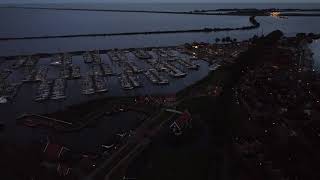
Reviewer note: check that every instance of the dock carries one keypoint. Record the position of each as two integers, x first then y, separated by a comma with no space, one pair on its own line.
97,71
30,76
113,56
134,81
31,61
125,82
43,92
76,74
161,79
107,70
87,57
134,67
96,58
142,54
188,64
58,90
87,86
174,71
99,84
151,77
41,74
19,63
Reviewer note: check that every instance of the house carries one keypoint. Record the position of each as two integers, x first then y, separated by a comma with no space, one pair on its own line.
181,123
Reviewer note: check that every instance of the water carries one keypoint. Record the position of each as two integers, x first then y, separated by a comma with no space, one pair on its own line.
24,22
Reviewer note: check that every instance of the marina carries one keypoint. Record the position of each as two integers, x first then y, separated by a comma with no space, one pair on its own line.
120,68
94,92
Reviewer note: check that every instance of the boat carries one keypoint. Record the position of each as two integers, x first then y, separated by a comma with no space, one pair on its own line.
134,67
43,91
19,63
106,69
41,74
96,71
161,79
76,74
151,77
187,64
31,61
134,81
142,54
113,56
87,86
3,100
30,76
87,57
56,60
67,59
58,90
173,71
107,146
96,57
99,84
125,82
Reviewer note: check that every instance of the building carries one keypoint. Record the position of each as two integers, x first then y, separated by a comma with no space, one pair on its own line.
181,123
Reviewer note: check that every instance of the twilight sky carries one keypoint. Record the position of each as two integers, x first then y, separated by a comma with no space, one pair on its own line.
163,1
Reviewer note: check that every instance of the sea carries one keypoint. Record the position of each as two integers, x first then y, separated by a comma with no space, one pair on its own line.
17,22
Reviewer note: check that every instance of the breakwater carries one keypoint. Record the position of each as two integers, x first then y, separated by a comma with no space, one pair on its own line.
252,20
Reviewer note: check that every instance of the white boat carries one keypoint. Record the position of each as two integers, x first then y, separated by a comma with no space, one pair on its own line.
3,100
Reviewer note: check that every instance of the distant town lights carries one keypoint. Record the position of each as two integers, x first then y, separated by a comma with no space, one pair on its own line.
275,14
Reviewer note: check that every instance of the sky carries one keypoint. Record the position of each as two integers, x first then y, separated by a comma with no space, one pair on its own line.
161,1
